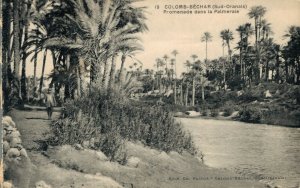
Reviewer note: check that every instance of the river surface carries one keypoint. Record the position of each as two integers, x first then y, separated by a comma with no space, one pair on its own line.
260,151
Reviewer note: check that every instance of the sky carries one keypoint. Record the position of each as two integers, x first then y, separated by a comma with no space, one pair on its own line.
183,32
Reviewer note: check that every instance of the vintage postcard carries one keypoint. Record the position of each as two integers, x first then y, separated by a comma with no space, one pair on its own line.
150,93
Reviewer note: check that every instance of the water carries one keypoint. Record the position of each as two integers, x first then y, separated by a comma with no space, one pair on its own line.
249,149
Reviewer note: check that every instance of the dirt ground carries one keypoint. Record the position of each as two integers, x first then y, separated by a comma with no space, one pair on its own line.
65,166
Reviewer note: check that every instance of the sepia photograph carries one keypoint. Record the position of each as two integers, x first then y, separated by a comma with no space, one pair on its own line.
150,94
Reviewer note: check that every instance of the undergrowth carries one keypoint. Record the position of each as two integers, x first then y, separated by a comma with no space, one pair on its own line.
109,120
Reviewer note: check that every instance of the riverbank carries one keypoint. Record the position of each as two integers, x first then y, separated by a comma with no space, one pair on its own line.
233,117
266,103
65,166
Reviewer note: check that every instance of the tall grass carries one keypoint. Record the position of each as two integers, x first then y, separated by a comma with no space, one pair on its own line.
111,119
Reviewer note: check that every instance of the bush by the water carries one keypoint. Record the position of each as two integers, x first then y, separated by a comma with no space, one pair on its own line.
228,110
250,114
251,95
214,112
108,120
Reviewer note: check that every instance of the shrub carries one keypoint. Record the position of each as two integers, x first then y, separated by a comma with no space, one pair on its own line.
250,114
214,113
205,113
110,119
251,95
228,110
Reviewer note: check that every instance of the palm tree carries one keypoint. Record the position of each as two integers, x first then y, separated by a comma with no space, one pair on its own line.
185,78
194,57
159,63
206,38
166,57
291,54
101,28
248,32
172,63
37,35
135,65
181,91
257,12
37,38
127,51
175,53
241,31
188,64
198,72
266,29
244,31
193,75
227,36
174,79
268,53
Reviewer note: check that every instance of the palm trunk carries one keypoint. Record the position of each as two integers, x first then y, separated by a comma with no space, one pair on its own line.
16,46
256,46
175,69
298,70
181,94
123,58
75,62
160,85
241,64
54,61
224,71
193,92
202,89
175,93
67,62
78,82
106,75
112,73
92,73
23,77
286,71
295,73
267,71
256,37
277,68
229,53
6,16
43,71
206,50
240,58
186,94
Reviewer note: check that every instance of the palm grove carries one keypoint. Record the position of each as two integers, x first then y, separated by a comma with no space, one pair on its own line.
252,63
85,38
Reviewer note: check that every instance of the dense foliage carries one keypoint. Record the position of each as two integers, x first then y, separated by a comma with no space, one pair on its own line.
109,120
